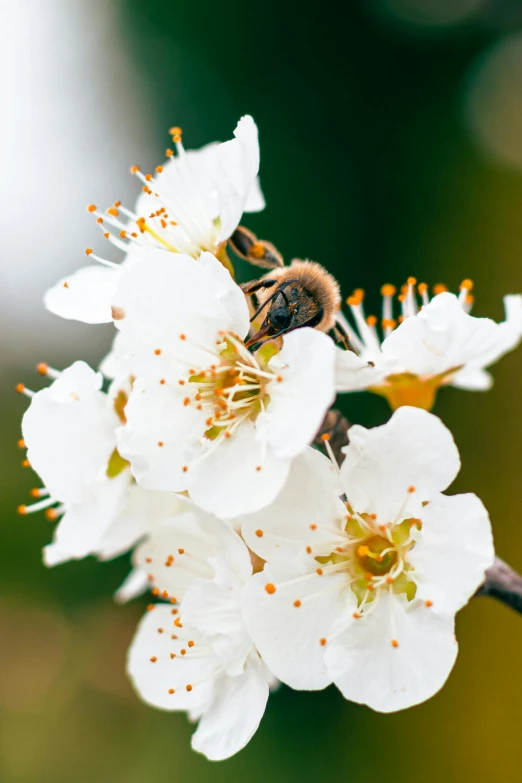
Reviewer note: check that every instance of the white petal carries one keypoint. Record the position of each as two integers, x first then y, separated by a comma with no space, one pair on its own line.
299,402
472,380
234,171
228,293
282,530
84,525
85,295
255,200
452,551
117,363
158,431
234,714
238,476
153,679
156,301
288,637
353,373
368,669
215,611
413,450
69,429
443,336
181,546
136,519
135,584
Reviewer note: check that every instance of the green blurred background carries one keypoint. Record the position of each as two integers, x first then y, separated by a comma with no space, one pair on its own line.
391,137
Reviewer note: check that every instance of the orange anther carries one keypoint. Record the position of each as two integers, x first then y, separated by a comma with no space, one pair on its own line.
368,577
159,169
156,591
134,169
362,550
161,444
389,580
259,533
270,588
181,551
20,388
297,603
319,571
371,320
412,281
188,687
439,288
428,603
123,234
51,514
325,436
394,643
183,337
91,208
113,212
169,153
175,131
190,643
411,489
35,493
160,630
313,527
467,284
153,659
150,607
258,468
22,510
171,690
26,463
356,616
42,368
148,177
88,251
21,443
309,550
322,642
388,290
422,288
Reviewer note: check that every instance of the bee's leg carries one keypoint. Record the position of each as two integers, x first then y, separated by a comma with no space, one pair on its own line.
257,251
340,336
255,285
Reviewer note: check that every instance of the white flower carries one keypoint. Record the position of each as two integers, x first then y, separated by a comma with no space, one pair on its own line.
205,414
200,659
364,592
193,203
439,344
70,433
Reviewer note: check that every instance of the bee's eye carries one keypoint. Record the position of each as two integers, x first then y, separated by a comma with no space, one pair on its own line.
280,317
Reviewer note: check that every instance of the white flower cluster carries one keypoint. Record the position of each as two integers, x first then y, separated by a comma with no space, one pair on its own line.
193,447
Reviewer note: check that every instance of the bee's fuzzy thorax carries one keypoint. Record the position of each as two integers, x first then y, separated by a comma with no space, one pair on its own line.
317,280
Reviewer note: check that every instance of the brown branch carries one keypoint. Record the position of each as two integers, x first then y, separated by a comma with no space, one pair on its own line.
504,584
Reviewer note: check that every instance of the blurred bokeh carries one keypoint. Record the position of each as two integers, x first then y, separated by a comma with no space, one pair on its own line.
391,144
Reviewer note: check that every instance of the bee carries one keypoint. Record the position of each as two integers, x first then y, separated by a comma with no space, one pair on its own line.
290,297
287,297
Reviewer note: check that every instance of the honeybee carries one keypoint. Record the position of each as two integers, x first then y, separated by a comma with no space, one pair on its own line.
288,297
